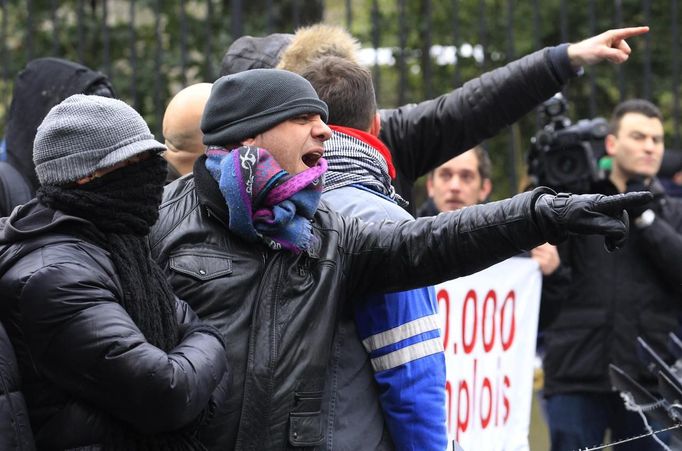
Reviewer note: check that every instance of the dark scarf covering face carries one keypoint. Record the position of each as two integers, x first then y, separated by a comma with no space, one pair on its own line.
123,205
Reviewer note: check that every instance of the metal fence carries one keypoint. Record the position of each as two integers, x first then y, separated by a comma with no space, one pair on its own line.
417,49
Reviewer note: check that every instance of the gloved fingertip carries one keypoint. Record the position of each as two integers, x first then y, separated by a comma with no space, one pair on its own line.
622,201
638,198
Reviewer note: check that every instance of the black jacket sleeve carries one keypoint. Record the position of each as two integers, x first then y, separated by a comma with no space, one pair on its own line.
430,250
423,136
82,340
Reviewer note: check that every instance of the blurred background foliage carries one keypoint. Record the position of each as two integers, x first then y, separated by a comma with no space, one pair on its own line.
151,49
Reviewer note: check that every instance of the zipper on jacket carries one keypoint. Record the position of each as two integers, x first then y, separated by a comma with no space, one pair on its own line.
267,270
210,214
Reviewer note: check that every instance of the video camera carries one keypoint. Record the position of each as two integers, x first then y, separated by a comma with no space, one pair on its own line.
565,156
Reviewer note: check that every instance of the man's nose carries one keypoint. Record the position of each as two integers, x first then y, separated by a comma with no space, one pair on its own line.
321,130
649,144
455,183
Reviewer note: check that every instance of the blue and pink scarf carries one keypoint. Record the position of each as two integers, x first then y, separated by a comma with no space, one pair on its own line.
265,202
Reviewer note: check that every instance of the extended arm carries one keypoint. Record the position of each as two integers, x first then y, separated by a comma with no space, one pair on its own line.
423,136
430,250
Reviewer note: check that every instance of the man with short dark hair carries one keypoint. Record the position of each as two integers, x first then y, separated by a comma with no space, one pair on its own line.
247,242
602,302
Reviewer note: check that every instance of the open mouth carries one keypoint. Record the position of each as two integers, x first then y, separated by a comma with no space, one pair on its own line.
311,158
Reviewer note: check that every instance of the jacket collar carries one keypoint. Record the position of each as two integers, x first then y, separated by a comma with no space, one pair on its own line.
208,192
370,140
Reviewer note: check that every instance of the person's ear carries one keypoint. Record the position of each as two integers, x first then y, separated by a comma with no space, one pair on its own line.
486,189
429,185
610,144
249,142
375,128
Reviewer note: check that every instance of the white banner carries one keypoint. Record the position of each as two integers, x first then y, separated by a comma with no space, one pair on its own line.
489,327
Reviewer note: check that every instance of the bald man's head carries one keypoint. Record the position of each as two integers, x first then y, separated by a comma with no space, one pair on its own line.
181,126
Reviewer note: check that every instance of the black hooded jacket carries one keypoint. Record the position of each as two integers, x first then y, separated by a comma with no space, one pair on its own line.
44,83
597,303
87,369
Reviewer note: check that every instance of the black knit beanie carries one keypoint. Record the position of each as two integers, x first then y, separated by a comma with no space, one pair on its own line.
245,104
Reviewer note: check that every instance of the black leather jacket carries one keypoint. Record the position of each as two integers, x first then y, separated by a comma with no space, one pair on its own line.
425,135
86,368
278,310
599,302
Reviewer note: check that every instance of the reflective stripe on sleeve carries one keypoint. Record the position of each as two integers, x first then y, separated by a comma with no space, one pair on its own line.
397,334
407,354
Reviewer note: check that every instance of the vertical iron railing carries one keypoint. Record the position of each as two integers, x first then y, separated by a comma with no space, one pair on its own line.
158,66
456,42
153,47
592,17
402,51
133,56
297,13
426,26
563,27
208,38
536,46
30,30
3,55
106,39
511,144
236,14
482,31
618,16
55,27
80,14
376,43
183,43
646,82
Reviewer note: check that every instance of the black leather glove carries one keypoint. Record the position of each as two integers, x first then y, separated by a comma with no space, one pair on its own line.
589,214
655,188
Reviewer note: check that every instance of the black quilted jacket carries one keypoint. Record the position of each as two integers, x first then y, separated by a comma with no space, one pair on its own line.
85,365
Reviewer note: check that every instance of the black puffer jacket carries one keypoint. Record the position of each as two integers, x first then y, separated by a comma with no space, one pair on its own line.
600,302
423,136
278,310
85,365
15,428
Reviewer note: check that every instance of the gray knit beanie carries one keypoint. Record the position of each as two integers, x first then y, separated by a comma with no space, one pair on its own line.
245,104
85,133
